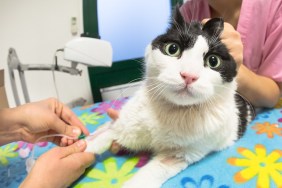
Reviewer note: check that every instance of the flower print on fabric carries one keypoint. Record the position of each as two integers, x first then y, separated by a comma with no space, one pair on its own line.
90,118
6,152
25,148
104,106
207,181
112,176
269,129
260,165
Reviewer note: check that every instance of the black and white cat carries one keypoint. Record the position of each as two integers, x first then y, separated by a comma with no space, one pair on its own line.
187,106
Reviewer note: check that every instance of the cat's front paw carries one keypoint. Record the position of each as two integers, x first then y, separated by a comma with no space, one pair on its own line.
140,184
100,140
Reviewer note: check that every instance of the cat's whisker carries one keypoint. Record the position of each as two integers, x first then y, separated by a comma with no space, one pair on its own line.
139,61
157,94
121,94
152,86
155,89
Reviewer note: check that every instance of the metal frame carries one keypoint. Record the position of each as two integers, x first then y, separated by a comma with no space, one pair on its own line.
14,64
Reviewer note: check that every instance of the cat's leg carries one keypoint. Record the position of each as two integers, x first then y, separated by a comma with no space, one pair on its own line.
101,140
229,141
156,172
133,138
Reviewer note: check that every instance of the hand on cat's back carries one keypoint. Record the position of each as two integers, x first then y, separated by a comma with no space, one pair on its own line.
232,40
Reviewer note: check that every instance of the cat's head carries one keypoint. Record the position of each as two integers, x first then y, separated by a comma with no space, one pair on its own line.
188,64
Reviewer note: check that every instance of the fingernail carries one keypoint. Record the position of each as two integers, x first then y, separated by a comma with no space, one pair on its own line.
76,132
80,143
115,148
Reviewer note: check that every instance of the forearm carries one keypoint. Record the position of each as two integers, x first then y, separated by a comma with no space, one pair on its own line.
259,90
34,182
10,129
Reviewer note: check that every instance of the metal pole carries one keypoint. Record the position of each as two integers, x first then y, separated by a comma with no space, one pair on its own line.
14,64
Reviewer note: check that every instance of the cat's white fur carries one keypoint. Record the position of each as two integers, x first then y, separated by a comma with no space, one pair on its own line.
180,124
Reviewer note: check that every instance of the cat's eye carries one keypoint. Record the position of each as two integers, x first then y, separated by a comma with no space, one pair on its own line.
213,61
172,49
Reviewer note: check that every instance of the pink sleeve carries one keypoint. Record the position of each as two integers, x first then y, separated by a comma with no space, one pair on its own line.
271,65
195,10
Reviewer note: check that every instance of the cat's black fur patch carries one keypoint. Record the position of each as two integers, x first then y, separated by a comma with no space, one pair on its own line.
246,113
184,40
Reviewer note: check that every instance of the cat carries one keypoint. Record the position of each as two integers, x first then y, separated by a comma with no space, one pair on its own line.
187,106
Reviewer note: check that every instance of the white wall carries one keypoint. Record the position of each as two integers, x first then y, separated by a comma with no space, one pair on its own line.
36,28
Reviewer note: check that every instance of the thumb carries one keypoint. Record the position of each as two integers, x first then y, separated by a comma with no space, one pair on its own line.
205,20
113,113
77,147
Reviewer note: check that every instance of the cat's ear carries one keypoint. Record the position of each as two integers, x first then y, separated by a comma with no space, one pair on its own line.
214,27
177,18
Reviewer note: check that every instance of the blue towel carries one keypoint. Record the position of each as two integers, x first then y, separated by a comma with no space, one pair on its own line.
254,161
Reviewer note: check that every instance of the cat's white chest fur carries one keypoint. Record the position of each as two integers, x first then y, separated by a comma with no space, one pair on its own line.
159,126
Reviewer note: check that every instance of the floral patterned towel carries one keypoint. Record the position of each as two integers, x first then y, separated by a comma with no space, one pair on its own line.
254,161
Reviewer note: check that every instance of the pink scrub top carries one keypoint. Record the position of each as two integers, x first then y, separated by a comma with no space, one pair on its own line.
260,26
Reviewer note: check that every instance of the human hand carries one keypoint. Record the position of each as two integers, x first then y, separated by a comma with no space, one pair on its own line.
232,40
59,167
113,113
48,117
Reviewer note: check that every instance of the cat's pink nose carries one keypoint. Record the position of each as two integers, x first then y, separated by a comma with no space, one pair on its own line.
188,78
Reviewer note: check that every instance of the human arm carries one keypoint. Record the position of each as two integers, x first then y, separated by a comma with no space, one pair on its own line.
65,165
31,121
261,91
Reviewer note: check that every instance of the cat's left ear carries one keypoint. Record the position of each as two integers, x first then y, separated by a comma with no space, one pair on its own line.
177,18
214,27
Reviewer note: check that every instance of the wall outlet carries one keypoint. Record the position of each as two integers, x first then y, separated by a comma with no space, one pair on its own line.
74,26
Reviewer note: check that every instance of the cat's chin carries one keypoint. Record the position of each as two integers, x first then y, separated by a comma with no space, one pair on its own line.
185,102
184,98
